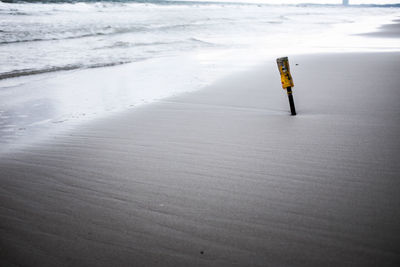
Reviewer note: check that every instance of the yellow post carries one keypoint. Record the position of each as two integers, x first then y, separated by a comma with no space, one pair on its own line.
284,69
286,80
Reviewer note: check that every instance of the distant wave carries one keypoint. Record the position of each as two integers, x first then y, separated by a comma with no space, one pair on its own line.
27,72
121,44
121,1
84,1
188,2
196,40
50,39
100,32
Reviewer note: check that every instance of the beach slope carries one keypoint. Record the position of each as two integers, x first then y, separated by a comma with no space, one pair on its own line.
221,177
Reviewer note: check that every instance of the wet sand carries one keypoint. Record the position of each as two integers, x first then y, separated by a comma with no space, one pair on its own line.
387,31
221,177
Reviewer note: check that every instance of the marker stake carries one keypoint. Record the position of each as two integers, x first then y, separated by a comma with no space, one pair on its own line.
286,80
291,101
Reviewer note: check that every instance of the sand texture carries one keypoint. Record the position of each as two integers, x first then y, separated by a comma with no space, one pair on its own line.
221,177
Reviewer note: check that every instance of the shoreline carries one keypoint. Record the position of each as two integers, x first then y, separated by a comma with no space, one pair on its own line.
386,30
41,129
34,108
221,176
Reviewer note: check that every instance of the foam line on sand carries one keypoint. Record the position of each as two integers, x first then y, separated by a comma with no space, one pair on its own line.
221,177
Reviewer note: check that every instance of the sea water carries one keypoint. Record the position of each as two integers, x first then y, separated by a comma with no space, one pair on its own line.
45,37
62,61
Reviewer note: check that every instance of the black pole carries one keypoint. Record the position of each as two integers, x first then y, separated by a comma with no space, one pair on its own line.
291,101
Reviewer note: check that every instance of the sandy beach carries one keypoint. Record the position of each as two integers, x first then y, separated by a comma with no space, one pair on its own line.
221,177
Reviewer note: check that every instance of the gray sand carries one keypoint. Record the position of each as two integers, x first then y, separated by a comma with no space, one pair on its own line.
221,177
386,31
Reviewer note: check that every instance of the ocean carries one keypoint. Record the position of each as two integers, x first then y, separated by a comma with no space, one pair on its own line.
167,47
45,37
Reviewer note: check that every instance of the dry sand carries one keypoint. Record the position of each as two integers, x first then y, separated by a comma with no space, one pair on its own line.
221,177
